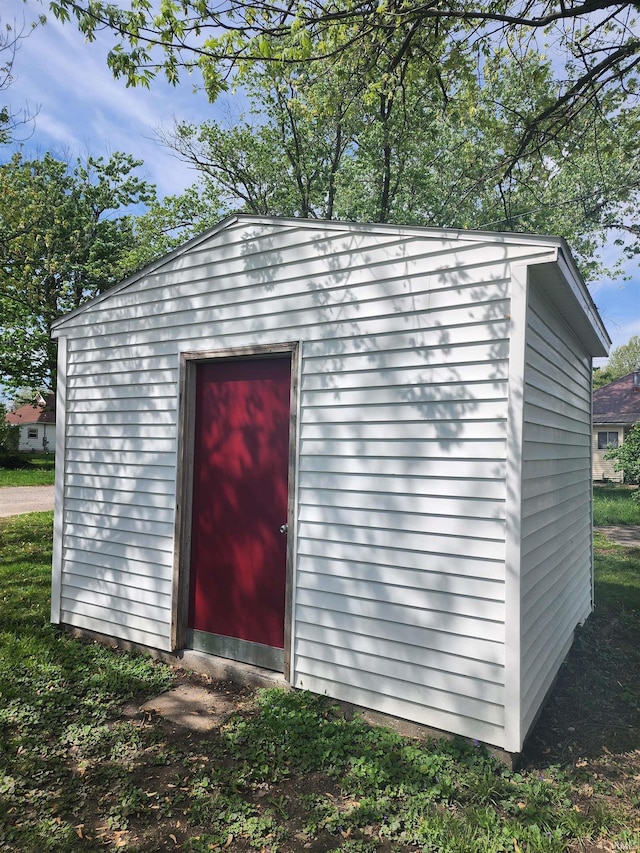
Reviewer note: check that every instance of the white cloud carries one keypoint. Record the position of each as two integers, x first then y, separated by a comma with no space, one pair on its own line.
82,109
55,129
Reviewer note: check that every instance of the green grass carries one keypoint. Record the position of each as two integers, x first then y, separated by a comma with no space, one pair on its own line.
52,689
288,771
613,505
617,577
40,473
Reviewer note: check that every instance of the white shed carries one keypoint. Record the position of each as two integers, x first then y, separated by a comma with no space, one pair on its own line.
357,454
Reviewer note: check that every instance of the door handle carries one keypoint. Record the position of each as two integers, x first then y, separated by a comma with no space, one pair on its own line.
284,528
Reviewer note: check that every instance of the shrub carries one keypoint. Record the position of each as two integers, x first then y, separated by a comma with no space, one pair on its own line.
9,434
626,458
13,461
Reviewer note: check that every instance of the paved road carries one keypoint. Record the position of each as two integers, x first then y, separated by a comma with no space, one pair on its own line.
14,500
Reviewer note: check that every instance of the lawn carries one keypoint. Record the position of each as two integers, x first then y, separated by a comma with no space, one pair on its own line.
612,505
40,471
81,770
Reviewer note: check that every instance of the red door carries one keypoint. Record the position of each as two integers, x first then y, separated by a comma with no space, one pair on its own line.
240,496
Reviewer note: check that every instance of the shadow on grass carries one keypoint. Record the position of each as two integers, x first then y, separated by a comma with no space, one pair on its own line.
40,667
24,470
288,770
593,711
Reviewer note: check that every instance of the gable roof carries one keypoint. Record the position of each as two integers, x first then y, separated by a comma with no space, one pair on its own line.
559,267
35,413
619,401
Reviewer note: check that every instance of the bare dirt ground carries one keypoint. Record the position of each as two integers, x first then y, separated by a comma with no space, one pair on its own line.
628,535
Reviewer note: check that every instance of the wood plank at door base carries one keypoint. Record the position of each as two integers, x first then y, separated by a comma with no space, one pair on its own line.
239,650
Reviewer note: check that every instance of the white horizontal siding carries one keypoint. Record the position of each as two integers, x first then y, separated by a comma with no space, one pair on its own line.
401,458
450,363
432,581
426,411
131,599
85,447
401,501
412,484
479,657
556,500
422,540
543,667
120,375
446,563
151,526
402,519
386,594
401,522
437,688
112,621
135,422
110,498
239,298
117,544
130,488
108,510
226,276
542,587
480,469
439,448
572,508
253,331
391,697
134,574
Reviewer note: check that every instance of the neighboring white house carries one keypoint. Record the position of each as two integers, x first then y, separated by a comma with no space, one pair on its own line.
616,408
356,454
37,422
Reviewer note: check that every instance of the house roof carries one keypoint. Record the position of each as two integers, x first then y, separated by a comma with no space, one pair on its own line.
619,401
574,302
43,412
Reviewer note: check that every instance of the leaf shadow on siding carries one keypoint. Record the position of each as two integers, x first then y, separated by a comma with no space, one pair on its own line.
240,502
253,249
119,514
403,549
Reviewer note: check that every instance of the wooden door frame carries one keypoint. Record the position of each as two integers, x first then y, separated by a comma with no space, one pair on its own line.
189,362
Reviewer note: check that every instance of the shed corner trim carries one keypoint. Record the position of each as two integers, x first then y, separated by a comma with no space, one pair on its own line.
61,443
515,428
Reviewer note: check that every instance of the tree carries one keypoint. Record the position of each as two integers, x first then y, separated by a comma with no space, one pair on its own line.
65,236
11,34
318,141
595,42
602,376
169,222
625,358
626,458
284,156
9,434
562,159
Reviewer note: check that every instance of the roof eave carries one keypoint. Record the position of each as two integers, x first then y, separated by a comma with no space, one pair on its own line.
572,301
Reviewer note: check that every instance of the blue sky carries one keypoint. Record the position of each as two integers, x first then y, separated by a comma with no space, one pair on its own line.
81,109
